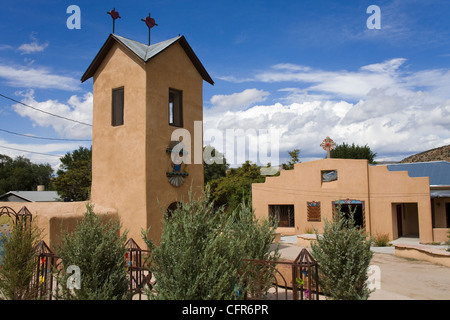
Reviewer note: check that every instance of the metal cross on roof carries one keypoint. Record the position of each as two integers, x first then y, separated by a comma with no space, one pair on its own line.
150,22
328,144
114,15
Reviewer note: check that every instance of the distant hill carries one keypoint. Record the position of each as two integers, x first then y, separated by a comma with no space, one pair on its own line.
437,154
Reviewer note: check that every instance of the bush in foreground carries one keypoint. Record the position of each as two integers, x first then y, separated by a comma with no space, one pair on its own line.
201,251
343,254
98,249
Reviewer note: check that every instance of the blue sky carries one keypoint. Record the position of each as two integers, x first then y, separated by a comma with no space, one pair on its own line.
308,69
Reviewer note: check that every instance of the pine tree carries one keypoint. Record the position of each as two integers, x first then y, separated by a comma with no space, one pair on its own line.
343,254
98,249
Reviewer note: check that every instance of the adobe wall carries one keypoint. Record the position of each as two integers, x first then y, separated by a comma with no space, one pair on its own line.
55,219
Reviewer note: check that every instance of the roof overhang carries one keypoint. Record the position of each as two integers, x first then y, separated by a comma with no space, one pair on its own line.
440,193
145,53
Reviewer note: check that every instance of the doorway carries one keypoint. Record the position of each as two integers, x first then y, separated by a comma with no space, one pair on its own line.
399,220
447,212
405,219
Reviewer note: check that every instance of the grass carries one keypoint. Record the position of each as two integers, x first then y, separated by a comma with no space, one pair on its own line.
381,239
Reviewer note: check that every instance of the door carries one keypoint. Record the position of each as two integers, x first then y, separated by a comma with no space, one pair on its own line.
399,220
447,210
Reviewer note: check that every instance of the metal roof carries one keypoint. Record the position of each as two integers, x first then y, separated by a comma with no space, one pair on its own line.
145,53
35,196
437,171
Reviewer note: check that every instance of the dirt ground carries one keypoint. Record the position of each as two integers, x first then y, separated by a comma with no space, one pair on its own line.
401,278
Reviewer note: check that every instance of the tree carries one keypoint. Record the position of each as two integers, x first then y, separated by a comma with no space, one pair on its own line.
294,159
98,248
75,175
215,165
236,187
21,174
346,151
343,254
18,262
201,251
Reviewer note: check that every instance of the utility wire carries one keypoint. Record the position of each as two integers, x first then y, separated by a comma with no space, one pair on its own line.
43,138
45,154
49,113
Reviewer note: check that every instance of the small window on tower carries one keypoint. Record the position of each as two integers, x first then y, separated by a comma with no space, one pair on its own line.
175,108
117,107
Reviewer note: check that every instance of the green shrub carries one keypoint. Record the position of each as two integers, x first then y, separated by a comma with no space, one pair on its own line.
201,250
343,254
19,261
98,249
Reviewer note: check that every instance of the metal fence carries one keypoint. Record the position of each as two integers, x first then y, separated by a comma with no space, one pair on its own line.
282,280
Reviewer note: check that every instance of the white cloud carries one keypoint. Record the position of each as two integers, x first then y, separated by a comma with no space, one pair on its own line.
392,132
40,78
76,108
33,46
239,100
396,112
355,85
5,47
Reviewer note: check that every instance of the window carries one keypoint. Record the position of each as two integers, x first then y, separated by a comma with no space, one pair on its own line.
175,108
117,107
284,214
329,175
313,210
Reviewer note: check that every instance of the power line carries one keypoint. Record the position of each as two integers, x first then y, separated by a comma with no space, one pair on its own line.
42,138
49,113
45,154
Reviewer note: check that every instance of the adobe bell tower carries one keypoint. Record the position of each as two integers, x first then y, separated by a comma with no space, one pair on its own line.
142,93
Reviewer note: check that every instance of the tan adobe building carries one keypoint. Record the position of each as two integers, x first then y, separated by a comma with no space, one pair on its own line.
385,201
141,95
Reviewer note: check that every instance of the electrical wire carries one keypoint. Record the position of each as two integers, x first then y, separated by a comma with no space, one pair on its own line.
45,154
42,138
46,112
